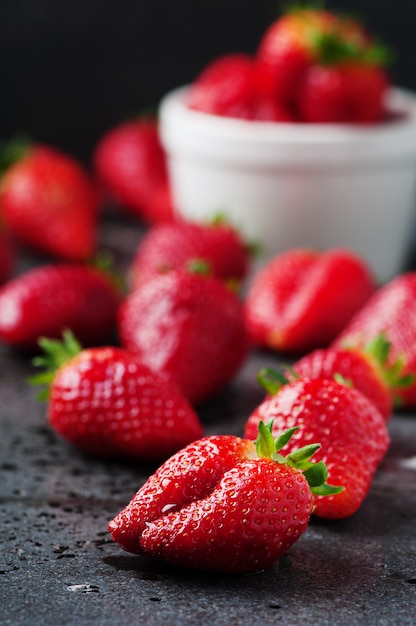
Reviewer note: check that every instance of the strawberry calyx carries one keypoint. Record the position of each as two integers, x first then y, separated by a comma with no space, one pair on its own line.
316,474
331,49
56,354
272,380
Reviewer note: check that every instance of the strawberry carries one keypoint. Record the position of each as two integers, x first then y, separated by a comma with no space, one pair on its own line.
49,298
228,87
286,51
223,504
348,93
174,245
188,326
107,403
302,299
367,368
324,67
49,203
391,310
352,431
130,165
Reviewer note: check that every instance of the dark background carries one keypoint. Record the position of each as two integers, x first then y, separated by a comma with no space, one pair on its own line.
71,69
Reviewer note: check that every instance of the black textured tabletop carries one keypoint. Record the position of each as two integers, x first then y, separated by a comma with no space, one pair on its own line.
59,566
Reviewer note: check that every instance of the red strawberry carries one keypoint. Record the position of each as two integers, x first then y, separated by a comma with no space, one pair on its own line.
366,368
286,50
170,246
302,299
50,298
225,87
347,93
187,326
391,311
324,66
228,86
219,504
48,201
352,431
107,403
130,165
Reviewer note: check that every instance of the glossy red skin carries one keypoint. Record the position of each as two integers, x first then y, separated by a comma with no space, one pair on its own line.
356,367
189,328
225,87
348,93
302,299
228,86
107,403
48,201
352,433
285,53
215,506
391,310
48,299
130,165
174,245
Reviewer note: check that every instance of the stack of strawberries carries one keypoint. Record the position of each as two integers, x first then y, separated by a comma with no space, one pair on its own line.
125,368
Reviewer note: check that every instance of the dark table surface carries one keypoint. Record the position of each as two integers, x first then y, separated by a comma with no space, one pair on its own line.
59,566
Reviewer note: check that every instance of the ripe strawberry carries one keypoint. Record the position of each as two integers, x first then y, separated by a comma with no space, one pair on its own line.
347,93
223,503
50,298
49,203
130,165
366,368
228,87
188,327
352,431
323,66
174,245
302,299
107,403
391,310
287,49
225,87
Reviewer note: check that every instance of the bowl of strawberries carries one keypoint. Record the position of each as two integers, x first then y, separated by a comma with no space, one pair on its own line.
305,143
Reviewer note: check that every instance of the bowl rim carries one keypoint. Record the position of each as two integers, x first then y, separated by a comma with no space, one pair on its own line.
401,102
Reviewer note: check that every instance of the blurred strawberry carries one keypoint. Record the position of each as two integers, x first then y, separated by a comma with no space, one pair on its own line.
170,246
228,87
130,165
49,203
48,299
302,298
187,326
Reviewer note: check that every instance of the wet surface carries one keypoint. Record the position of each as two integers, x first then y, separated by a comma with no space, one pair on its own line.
58,565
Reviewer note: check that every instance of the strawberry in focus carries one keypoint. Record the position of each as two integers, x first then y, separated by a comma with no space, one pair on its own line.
368,369
391,311
351,430
188,326
170,246
130,166
224,504
302,299
105,402
49,203
49,298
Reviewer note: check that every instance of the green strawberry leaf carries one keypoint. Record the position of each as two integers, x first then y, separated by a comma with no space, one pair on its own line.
271,380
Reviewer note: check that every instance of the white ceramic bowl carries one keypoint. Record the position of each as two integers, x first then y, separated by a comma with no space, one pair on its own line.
287,185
